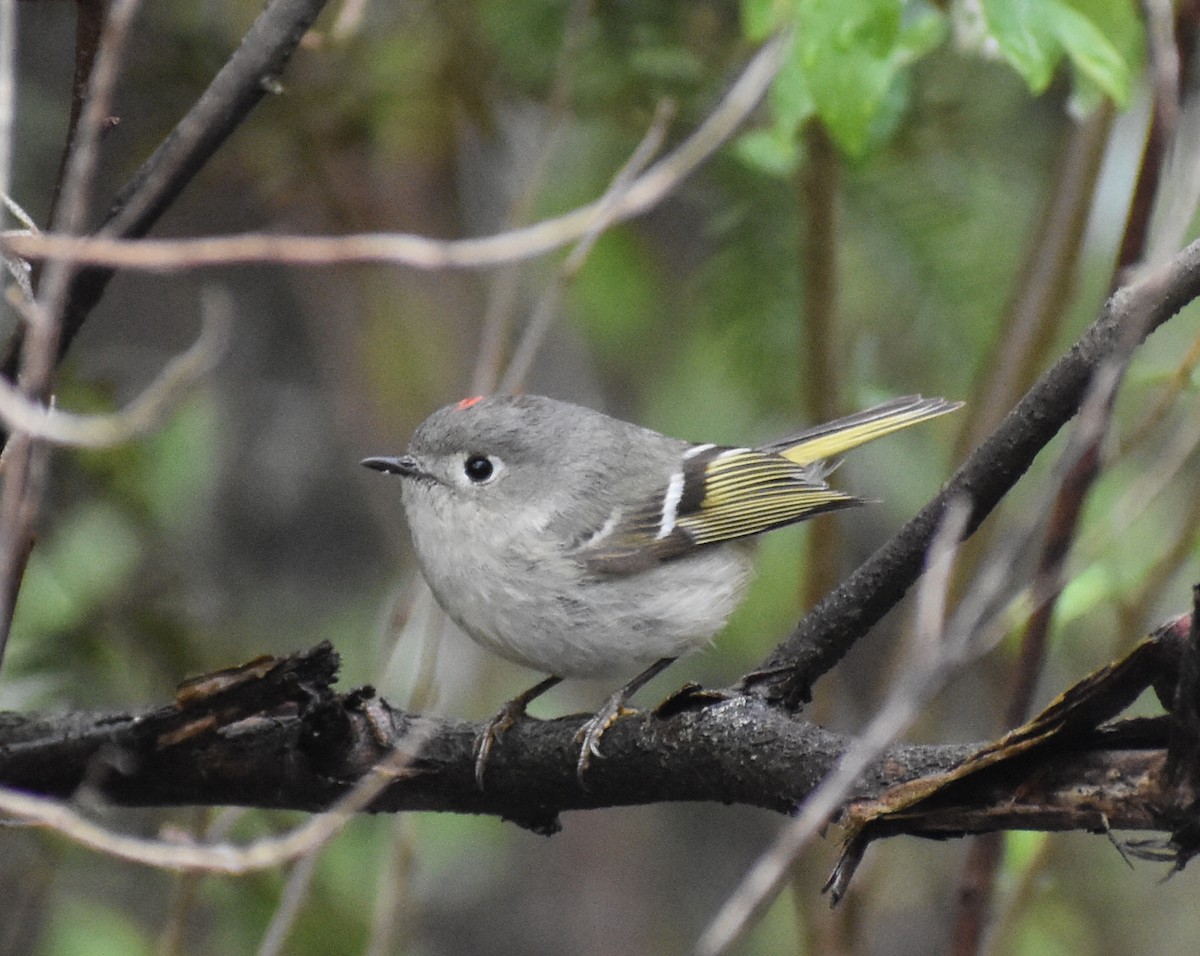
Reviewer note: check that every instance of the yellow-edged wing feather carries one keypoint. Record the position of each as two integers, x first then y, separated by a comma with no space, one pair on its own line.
721,494
747,492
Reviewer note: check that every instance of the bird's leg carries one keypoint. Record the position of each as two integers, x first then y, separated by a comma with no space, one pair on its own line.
508,715
590,733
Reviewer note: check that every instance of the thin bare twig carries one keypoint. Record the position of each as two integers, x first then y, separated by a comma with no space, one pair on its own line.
24,459
420,252
184,892
974,628
1135,241
18,268
1083,467
90,20
394,886
224,859
8,57
1043,287
543,314
832,627
923,676
818,183
504,284
75,195
295,891
145,413
1163,202
1166,65
247,76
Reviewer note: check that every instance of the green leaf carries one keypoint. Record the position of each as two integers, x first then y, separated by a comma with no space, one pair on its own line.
845,66
1090,52
1020,32
1035,35
776,150
791,96
1121,23
922,29
845,50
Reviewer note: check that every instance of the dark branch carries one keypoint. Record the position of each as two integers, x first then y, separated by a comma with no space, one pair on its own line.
248,76
89,25
847,613
274,734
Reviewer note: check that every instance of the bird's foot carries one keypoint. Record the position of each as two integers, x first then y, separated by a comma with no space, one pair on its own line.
492,731
595,727
508,715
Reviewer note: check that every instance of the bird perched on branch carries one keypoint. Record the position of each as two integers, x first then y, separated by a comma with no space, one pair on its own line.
581,545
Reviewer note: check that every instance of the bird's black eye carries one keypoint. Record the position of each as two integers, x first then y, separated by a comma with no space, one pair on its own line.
479,468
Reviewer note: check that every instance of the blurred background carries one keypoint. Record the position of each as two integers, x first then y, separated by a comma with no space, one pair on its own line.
833,255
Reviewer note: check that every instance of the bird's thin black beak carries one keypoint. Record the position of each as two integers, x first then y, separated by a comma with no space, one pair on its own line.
405,465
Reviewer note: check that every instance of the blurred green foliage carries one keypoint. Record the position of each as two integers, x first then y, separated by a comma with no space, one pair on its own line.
245,525
95,929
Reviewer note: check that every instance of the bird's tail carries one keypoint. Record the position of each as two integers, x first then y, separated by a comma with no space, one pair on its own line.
833,438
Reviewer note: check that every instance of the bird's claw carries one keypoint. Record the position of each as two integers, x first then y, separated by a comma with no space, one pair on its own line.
594,728
492,731
508,715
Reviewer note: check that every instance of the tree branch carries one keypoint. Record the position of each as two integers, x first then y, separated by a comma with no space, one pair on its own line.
274,734
250,74
831,628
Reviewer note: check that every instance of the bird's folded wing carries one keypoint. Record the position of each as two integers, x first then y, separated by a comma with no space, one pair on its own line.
720,494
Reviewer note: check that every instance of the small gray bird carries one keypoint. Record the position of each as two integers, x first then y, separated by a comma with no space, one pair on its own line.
581,545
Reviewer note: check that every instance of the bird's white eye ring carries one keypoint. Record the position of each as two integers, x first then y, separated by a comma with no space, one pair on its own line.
480,469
